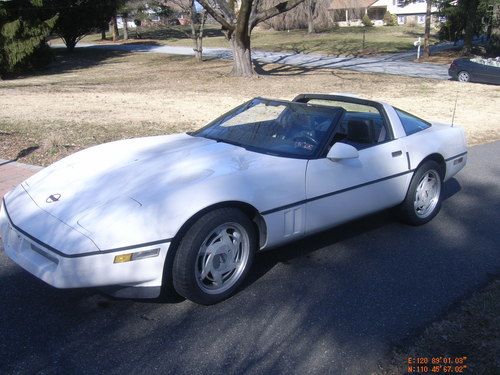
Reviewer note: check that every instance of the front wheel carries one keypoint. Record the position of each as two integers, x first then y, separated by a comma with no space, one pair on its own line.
214,256
423,199
463,76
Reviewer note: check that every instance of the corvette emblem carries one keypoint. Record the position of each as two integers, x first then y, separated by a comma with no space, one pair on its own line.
53,198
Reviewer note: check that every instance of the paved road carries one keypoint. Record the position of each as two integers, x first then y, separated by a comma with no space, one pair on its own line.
399,63
332,303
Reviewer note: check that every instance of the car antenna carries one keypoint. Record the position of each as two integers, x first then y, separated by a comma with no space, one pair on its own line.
454,109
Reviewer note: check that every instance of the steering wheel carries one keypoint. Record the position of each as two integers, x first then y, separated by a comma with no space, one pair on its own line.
307,138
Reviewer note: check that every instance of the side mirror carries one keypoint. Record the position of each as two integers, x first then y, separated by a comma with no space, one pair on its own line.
340,151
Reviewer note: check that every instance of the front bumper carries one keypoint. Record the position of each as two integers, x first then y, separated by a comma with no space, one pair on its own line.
81,270
452,73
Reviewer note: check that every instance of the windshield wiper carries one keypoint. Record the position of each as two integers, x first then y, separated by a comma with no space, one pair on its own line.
218,140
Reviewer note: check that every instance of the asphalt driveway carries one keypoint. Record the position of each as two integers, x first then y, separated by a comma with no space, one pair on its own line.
331,303
396,63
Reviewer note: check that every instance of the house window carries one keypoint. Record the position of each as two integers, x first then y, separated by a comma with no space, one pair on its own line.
401,19
401,3
421,19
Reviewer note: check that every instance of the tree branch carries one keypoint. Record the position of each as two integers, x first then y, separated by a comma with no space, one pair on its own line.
253,14
282,7
221,15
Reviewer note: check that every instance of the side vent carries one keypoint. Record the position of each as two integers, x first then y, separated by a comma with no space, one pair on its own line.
294,221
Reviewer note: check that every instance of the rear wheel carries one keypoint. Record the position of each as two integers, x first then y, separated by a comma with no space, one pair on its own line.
463,76
214,256
423,199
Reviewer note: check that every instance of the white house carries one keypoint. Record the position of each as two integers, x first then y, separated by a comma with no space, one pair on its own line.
350,12
120,23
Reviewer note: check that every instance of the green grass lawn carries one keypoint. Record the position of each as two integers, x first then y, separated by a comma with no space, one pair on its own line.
347,41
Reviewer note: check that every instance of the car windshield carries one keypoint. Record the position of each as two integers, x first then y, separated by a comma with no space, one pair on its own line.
275,127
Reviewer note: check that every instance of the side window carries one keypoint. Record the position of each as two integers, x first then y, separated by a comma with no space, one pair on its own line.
361,126
411,124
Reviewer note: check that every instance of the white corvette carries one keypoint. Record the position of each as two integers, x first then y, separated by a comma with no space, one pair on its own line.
189,211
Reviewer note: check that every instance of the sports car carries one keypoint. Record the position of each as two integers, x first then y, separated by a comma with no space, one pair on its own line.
186,213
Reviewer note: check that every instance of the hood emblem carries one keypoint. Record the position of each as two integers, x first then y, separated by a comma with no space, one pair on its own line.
53,198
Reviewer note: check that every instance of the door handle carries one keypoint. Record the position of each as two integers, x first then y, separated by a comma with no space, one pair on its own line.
397,153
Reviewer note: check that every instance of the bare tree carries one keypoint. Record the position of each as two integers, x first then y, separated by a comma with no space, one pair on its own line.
313,15
427,32
197,28
238,20
311,7
197,21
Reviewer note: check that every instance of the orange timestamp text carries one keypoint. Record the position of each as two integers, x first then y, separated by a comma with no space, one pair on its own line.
436,365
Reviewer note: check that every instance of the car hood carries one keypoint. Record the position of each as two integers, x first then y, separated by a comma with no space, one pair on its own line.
109,184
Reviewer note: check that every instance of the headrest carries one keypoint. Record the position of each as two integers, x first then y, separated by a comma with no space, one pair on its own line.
361,131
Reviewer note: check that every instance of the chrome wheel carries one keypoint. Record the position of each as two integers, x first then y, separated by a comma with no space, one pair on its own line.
463,76
427,194
222,258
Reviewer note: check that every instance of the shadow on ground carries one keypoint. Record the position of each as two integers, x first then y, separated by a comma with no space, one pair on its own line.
331,303
24,152
65,61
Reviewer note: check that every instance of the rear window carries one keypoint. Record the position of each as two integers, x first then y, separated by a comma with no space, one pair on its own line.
359,112
411,124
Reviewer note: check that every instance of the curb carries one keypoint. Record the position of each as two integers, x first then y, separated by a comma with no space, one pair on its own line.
5,162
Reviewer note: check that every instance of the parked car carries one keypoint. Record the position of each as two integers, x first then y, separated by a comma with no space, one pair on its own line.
475,70
189,211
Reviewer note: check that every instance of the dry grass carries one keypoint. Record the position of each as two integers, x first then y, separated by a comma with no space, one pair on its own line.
471,329
443,57
91,96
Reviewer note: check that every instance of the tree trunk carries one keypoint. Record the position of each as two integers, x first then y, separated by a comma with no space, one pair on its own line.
427,32
70,42
242,58
125,26
239,39
103,33
197,31
116,34
311,5
469,26
495,27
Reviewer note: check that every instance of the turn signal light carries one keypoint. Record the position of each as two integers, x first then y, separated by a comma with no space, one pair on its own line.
122,258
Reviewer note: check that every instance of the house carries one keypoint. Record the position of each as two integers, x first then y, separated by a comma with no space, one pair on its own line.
350,12
120,23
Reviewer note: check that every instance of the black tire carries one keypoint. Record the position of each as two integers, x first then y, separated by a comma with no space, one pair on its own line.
410,210
191,259
463,76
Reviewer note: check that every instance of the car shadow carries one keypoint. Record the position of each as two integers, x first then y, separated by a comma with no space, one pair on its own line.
303,248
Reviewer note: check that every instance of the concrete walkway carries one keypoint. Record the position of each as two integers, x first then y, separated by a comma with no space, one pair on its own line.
13,173
398,63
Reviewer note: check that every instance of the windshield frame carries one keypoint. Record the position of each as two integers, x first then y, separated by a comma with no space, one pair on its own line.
241,108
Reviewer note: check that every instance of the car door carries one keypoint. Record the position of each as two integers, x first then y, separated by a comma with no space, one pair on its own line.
342,190
480,73
492,74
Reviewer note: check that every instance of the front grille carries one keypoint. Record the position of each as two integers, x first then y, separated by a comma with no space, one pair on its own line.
44,254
